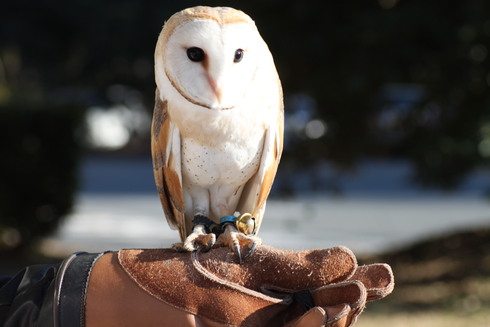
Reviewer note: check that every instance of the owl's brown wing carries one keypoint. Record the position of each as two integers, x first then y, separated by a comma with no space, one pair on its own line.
257,189
165,150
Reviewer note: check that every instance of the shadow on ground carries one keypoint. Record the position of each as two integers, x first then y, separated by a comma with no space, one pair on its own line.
450,272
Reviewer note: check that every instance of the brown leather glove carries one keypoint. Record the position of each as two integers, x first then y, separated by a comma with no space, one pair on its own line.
160,287
340,304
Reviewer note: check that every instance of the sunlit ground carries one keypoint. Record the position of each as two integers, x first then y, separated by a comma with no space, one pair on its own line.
109,222
119,208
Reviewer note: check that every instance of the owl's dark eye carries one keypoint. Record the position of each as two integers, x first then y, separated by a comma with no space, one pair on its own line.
238,55
195,54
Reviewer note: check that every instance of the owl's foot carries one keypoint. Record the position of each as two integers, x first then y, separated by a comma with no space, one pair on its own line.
234,239
198,239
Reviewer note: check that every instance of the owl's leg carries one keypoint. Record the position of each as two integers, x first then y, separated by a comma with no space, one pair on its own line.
199,238
225,201
235,239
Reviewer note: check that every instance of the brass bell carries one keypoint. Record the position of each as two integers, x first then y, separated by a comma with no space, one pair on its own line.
246,224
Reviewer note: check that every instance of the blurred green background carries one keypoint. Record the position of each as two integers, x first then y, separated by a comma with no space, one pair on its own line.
386,79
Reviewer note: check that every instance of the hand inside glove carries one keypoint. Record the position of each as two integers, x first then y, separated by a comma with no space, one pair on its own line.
159,287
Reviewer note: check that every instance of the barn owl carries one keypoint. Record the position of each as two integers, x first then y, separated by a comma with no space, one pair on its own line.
217,130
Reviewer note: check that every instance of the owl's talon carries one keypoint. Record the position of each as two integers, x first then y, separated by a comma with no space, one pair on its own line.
236,240
252,250
208,247
179,247
236,249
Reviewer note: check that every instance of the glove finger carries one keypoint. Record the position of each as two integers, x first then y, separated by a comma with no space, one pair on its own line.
377,278
350,293
315,317
296,270
334,316
337,316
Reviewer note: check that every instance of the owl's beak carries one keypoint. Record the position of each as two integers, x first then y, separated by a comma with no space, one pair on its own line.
217,91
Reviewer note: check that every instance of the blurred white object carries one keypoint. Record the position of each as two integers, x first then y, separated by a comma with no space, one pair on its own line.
112,127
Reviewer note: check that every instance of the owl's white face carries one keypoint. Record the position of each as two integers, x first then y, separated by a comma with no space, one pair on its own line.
212,65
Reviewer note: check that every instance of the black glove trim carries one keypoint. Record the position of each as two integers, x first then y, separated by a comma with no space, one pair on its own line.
71,287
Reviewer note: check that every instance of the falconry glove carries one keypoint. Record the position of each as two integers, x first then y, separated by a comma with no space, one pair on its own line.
271,288
162,287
